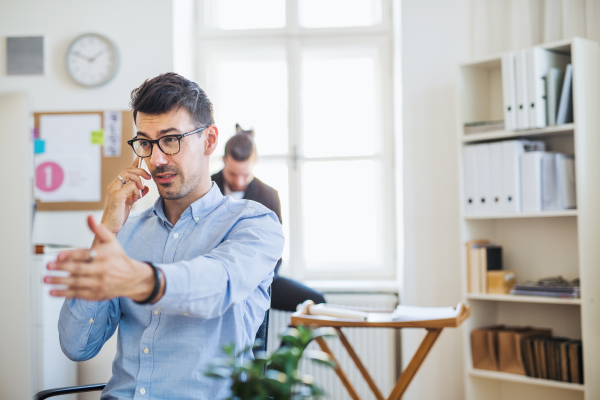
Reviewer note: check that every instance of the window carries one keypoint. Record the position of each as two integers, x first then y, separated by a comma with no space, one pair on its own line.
315,85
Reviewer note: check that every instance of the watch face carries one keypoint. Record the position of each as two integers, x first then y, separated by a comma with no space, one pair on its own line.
92,59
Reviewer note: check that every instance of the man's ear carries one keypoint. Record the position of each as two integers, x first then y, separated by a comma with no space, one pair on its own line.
212,139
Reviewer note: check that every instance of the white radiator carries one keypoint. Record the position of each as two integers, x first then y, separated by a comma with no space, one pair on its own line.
378,348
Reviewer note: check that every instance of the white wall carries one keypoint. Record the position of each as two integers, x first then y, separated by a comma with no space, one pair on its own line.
434,41
142,32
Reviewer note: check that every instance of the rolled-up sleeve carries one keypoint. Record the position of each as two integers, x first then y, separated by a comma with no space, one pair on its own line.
208,285
84,326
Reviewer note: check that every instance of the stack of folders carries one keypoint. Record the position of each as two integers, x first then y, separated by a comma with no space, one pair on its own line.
492,174
547,181
554,358
482,258
536,89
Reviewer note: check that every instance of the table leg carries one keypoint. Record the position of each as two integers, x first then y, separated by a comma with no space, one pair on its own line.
360,365
338,369
412,368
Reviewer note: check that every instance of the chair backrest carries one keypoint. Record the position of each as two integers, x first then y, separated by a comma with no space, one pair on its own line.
263,331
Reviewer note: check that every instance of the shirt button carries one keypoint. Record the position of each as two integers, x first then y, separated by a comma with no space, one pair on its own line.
146,350
197,218
142,390
175,235
185,314
156,312
91,320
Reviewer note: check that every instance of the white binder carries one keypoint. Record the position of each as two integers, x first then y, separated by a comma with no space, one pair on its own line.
509,91
565,108
522,97
470,174
539,62
550,191
496,168
482,185
531,181
554,81
511,176
565,173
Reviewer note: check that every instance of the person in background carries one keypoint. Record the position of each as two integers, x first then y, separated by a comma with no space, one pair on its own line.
237,180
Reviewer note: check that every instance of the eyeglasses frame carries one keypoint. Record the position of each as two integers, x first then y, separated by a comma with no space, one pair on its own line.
152,142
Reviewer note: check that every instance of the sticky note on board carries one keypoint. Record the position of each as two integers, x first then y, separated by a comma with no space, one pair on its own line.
39,146
98,137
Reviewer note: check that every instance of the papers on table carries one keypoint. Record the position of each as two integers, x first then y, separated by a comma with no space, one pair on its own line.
69,169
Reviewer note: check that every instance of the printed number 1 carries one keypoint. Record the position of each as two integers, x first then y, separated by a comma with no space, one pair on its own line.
48,172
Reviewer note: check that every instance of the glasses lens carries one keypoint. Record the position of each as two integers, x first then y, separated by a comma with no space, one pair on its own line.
142,148
169,144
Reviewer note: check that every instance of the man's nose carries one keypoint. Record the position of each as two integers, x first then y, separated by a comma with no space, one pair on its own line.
158,157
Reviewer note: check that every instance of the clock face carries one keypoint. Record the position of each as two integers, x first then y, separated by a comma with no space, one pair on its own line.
92,59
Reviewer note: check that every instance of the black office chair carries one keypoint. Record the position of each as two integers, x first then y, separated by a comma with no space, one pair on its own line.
262,335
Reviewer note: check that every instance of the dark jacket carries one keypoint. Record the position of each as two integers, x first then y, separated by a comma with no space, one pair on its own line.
257,191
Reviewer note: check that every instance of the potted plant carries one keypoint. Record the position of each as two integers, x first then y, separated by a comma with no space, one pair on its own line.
276,376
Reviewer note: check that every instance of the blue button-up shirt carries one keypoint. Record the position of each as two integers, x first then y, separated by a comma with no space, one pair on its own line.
218,261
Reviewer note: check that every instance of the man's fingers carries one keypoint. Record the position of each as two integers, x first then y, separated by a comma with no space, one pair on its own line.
84,294
73,282
136,161
74,267
130,176
103,234
74,255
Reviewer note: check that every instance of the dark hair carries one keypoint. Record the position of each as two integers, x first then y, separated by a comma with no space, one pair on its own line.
241,145
165,92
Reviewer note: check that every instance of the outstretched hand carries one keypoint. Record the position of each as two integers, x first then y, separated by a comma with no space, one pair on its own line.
107,274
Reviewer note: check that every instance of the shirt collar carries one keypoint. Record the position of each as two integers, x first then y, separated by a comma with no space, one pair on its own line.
199,209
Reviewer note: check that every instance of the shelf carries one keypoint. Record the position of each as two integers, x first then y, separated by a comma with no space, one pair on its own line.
497,135
504,376
542,214
522,299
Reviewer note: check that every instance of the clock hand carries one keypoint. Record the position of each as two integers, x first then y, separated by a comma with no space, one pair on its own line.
97,55
76,53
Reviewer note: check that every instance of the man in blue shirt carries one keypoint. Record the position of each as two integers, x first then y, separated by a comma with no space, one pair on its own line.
181,279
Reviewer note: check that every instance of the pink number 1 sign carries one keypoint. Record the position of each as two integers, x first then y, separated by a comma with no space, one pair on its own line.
49,176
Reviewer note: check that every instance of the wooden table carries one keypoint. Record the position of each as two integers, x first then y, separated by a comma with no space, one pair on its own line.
433,327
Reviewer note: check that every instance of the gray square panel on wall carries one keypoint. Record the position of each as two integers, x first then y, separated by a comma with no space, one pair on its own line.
25,55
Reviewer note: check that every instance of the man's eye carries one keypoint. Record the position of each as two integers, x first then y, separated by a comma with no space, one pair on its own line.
170,140
144,143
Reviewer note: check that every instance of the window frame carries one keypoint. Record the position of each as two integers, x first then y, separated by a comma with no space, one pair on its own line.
293,39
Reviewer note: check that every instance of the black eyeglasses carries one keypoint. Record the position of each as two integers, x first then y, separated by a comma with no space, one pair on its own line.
168,144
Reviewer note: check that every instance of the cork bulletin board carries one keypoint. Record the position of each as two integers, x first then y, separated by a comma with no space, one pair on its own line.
110,166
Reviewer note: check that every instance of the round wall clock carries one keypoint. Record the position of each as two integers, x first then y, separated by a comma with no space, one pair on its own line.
92,59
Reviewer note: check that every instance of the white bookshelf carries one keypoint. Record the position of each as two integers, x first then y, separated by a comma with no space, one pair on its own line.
522,299
543,214
543,244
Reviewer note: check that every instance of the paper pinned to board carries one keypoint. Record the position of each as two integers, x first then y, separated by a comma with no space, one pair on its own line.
69,169
112,133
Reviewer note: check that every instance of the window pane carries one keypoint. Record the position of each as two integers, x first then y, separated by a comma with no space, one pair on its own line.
275,174
245,14
337,13
338,103
250,88
342,214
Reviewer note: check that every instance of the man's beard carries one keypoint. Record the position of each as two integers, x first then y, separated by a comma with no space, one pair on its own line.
179,187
